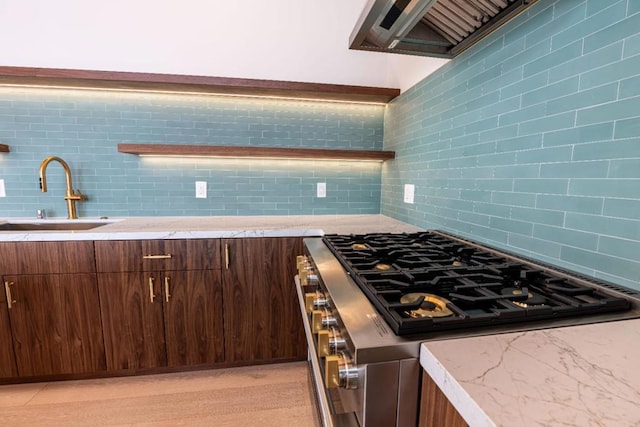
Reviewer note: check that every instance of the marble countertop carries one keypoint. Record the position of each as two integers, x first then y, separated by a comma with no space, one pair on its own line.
584,375
211,227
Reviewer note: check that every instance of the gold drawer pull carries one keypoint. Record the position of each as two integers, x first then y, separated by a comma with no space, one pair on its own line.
163,256
152,295
7,291
167,295
226,256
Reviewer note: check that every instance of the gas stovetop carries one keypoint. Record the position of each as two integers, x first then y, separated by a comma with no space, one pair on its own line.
432,281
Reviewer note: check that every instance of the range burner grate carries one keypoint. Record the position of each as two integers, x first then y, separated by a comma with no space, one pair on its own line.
407,276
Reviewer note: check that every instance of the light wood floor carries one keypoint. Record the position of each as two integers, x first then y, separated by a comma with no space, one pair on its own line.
268,395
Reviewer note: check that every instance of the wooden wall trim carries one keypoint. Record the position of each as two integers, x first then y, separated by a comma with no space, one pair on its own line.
186,83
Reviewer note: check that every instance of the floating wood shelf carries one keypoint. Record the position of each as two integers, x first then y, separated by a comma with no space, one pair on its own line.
255,152
4,148
89,79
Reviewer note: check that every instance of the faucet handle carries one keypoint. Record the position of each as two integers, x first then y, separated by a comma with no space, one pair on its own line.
76,195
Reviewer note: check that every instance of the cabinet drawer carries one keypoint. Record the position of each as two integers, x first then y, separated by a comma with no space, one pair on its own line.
46,257
156,255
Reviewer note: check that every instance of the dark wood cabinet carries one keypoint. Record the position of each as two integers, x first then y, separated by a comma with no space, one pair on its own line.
118,256
8,367
260,305
54,312
86,308
133,326
435,408
56,324
193,317
161,303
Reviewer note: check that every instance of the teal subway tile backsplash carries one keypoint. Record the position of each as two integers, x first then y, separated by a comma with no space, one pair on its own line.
612,149
628,128
622,248
562,184
578,135
564,203
591,23
624,28
564,236
84,128
614,265
626,168
614,71
541,156
614,188
622,208
558,56
596,169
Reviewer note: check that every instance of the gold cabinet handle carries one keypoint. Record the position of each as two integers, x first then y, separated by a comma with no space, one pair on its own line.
163,256
226,256
152,295
167,295
7,291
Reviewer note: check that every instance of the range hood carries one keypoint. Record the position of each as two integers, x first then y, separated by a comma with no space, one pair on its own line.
440,28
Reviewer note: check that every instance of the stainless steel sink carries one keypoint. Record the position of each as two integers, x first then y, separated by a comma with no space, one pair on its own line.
44,225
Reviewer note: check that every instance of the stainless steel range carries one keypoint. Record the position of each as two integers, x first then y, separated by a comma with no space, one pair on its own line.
369,301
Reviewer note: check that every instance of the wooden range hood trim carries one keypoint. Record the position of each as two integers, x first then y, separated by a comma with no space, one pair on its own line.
4,148
114,80
255,152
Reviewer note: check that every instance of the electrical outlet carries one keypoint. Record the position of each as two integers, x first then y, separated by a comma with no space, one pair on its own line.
2,190
201,189
409,191
321,189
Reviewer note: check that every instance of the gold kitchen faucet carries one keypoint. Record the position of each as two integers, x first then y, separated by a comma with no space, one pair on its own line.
71,197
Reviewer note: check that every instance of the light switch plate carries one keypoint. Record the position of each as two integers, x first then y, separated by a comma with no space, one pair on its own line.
2,190
201,189
409,191
321,189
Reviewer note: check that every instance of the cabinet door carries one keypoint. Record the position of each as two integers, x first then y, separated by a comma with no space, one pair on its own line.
193,317
7,357
262,321
55,321
131,307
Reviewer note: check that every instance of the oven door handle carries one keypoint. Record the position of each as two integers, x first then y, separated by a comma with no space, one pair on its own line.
328,418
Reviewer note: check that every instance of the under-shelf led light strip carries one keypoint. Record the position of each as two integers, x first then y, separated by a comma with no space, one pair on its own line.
176,92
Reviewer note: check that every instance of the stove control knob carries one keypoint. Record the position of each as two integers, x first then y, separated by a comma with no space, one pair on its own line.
323,343
340,372
336,342
307,277
315,300
328,320
320,301
312,279
322,319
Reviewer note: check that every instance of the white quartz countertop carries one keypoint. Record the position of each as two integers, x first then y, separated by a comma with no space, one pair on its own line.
585,375
212,227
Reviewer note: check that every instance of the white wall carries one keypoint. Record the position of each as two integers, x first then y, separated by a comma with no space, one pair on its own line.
294,40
